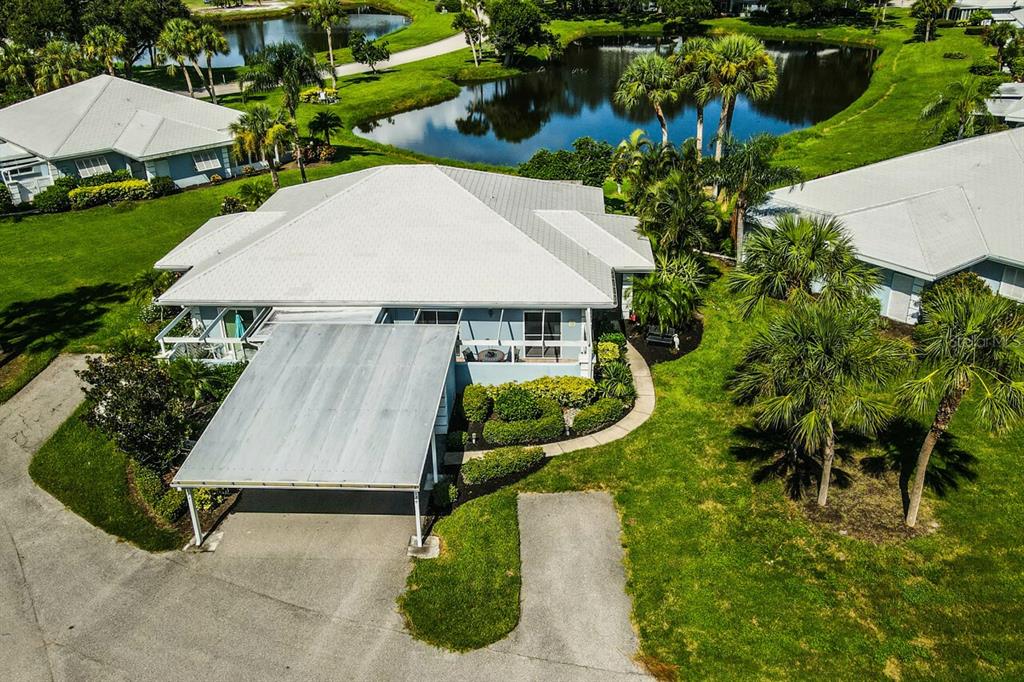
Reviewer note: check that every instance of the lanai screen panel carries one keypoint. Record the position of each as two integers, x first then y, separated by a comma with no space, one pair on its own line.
328,405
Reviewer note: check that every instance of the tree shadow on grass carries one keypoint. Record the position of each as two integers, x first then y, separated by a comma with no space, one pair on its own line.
48,324
900,443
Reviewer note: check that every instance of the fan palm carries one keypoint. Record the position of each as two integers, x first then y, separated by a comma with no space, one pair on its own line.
212,42
786,260
255,193
59,63
178,44
961,108
285,65
670,295
104,44
325,15
17,64
693,68
969,340
740,65
627,155
817,368
1001,36
677,215
259,131
746,174
324,123
650,79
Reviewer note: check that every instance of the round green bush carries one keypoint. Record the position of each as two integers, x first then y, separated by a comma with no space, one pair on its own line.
567,391
960,282
476,403
499,463
516,403
601,414
548,427
54,199
162,186
6,200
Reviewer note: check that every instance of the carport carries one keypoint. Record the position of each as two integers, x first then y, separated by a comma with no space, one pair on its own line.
330,406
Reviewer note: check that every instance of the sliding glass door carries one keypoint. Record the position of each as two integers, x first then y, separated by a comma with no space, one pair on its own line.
541,326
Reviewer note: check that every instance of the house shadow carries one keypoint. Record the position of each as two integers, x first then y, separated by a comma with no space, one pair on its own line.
900,443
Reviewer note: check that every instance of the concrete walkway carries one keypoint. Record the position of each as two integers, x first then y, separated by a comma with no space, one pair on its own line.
77,604
574,604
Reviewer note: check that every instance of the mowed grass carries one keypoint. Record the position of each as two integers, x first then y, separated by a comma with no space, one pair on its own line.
87,473
728,578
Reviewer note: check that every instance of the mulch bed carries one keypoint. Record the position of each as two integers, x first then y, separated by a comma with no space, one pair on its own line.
689,340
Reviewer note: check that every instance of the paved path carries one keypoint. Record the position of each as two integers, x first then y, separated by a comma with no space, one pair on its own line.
574,604
76,604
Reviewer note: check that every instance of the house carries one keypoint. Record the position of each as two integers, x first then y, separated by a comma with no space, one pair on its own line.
1002,10
926,215
1007,103
106,124
367,300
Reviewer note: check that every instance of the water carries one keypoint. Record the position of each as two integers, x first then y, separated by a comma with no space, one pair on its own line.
507,120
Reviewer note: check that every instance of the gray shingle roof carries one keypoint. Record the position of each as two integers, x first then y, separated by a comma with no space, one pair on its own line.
106,113
929,213
412,235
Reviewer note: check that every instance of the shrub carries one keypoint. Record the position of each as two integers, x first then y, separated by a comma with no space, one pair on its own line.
954,55
167,504
604,412
326,153
476,403
444,495
607,351
457,440
549,426
162,185
171,505
248,170
984,67
207,499
312,95
215,178
231,204
588,163
567,391
96,195
515,403
54,199
618,338
499,463
616,381
6,200
104,178
964,282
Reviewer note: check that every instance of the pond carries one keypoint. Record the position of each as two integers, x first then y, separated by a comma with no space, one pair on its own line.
507,120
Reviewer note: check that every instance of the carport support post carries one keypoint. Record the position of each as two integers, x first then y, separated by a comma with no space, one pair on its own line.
195,517
416,505
433,455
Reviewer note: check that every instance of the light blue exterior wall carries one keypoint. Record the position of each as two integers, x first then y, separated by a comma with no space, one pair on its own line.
180,168
492,373
991,272
69,167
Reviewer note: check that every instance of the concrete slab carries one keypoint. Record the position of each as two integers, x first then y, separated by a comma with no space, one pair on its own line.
574,604
431,548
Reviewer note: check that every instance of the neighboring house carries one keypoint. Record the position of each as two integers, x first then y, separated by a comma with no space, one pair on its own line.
926,215
366,301
105,124
1007,104
1002,10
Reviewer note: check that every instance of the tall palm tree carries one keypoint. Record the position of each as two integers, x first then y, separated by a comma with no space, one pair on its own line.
967,340
1001,36
104,44
650,79
627,156
693,69
746,174
670,295
325,15
17,65
817,368
677,215
740,65
285,65
177,43
59,63
961,109
928,12
324,123
259,131
796,255
212,42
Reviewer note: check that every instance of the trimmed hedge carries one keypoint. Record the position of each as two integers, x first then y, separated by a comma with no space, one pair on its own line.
601,414
549,426
171,505
515,403
608,351
167,504
618,338
96,195
567,391
6,200
499,463
54,199
476,403
162,186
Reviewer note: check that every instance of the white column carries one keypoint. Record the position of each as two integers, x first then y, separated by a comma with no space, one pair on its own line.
195,517
433,455
419,531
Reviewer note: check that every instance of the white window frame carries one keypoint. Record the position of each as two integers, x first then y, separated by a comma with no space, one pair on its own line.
432,316
94,165
207,160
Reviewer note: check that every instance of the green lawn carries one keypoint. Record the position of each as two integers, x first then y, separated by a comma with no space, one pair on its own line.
87,473
728,578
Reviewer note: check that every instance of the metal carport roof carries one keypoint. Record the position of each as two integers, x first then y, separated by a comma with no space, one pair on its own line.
328,406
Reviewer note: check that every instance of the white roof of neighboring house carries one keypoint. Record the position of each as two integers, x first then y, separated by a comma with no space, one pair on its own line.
415,235
112,114
991,5
929,213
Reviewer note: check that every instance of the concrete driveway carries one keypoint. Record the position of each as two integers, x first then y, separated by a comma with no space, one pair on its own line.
285,595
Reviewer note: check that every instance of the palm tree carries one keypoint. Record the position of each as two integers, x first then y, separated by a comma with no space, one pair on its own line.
797,254
649,78
105,44
325,15
255,193
59,63
817,368
324,123
285,65
746,174
212,42
693,67
927,12
1000,36
260,131
740,65
961,108
677,215
17,64
670,295
968,339
628,155
177,43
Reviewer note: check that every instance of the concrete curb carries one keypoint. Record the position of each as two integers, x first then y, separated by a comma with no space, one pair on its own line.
642,410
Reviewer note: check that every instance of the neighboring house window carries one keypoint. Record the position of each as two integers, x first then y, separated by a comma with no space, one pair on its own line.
206,160
543,325
92,166
1012,285
438,317
21,171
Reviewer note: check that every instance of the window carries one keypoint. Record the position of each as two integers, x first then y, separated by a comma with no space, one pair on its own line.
543,326
92,166
1012,284
206,160
21,171
438,317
